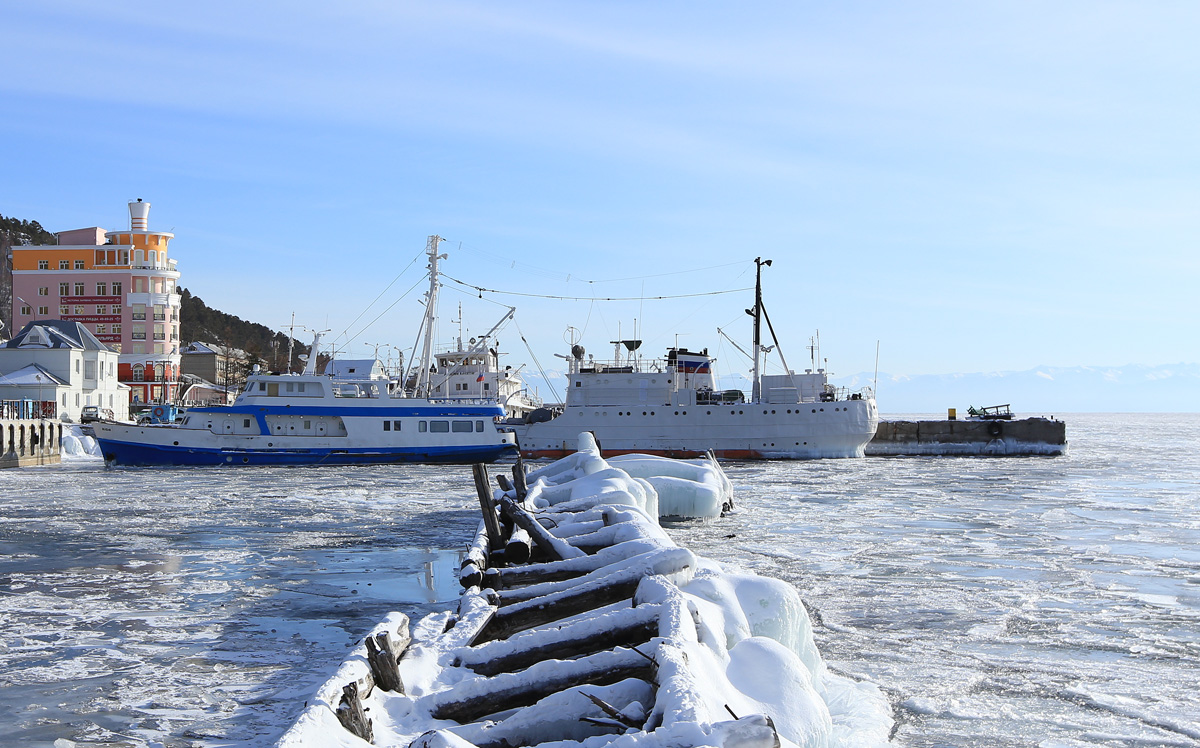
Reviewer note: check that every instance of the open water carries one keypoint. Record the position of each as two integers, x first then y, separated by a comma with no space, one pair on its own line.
997,601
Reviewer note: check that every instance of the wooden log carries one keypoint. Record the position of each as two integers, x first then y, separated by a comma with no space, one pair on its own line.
669,561
510,691
350,713
474,614
543,610
620,628
470,575
554,548
571,568
440,739
491,522
505,485
519,547
519,478
478,552
383,655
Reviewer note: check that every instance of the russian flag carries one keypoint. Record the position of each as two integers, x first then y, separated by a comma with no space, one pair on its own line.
479,378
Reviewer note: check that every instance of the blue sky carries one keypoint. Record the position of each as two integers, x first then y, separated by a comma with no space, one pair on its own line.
977,186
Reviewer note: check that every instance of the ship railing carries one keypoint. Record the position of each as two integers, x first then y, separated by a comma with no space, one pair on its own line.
463,400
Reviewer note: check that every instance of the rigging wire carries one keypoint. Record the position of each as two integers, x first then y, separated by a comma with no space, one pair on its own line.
537,363
568,277
385,311
481,290
377,298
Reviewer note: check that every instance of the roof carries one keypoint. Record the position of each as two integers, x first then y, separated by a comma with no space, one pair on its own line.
56,333
28,376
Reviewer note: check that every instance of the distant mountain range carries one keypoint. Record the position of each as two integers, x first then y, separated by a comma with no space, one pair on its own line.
1044,390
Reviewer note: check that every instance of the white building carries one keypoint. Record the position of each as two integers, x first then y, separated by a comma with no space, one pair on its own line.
62,362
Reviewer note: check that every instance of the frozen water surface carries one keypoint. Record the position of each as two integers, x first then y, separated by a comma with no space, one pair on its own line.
998,601
202,607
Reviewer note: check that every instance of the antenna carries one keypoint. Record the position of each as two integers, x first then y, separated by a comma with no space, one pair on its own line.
875,383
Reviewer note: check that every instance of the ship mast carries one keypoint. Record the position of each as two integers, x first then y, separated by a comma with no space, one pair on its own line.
756,392
423,377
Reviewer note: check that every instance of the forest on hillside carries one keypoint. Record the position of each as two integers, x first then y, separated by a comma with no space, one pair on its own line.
200,323
15,232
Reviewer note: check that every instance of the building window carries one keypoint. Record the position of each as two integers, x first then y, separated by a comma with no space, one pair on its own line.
79,308
158,348
79,265
139,311
64,264
64,310
116,309
158,373
102,289
116,288
43,264
116,329
43,311
139,348
79,289
102,309
64,289
43,290
160,314
159,333
139,285
26,311
115,346
101,329
139,374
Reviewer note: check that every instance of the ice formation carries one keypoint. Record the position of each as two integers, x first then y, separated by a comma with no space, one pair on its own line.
614,637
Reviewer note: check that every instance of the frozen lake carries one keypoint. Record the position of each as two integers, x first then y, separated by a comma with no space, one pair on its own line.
997,601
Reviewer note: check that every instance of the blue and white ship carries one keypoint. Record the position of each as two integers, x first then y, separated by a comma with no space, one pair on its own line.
309,418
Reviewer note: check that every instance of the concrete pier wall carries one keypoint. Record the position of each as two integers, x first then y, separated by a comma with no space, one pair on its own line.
1028,436
30,441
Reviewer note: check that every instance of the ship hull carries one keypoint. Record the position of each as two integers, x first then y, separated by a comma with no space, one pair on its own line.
145,454
743,431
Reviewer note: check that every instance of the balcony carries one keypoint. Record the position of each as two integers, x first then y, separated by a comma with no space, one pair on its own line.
160,336
139,315
160,318
139,336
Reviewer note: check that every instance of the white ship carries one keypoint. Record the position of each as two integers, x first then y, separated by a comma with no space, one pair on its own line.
356,417
671,407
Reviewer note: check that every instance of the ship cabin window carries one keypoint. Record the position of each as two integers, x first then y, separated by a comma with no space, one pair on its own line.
395,425
439,427
245,423
262,386
300,386
578,383
486,386
422,426
387,425
291,387
479,426
462,427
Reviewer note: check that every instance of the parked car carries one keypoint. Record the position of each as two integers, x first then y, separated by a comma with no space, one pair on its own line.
92,413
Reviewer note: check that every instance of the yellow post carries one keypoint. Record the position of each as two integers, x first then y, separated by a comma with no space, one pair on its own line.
952,414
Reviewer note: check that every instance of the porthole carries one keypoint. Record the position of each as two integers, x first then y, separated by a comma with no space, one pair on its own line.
175,443
772,412
814,410
708,412
245,460
676,412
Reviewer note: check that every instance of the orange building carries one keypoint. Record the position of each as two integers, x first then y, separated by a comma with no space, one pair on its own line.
121,285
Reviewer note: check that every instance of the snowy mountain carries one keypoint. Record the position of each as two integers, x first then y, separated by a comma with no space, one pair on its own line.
1044,390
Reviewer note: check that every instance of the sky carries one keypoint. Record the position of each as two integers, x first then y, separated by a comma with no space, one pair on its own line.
956,187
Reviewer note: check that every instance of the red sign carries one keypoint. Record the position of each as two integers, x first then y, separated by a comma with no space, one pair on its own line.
92,317
91,299
108,338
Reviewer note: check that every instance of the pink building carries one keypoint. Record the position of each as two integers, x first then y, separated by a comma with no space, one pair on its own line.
121,285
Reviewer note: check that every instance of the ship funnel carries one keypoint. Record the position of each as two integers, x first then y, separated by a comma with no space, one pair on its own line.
139,213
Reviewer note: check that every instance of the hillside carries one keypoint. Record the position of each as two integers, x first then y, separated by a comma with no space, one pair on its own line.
15,232
201,323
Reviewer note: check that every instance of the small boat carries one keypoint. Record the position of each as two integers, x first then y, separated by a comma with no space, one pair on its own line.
310,418
672,408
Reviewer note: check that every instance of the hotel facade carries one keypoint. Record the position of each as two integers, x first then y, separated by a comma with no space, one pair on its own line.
122,285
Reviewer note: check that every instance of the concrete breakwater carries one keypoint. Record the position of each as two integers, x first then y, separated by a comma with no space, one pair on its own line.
1027,436
25,442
